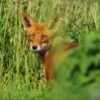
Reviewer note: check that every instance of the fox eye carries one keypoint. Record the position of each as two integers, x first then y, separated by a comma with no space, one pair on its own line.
44,36
31,36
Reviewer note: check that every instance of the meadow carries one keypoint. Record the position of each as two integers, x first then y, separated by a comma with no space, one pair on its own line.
21,77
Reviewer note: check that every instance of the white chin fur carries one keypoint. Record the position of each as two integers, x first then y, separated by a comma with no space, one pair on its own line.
44,45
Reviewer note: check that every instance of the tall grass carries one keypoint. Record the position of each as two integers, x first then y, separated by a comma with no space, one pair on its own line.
19,69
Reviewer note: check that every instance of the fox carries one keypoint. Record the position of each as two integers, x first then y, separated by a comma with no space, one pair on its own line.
40,39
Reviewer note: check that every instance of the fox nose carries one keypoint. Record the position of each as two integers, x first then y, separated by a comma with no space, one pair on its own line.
34,47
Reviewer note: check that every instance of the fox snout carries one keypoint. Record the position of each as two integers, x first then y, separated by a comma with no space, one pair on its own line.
34,47
39,48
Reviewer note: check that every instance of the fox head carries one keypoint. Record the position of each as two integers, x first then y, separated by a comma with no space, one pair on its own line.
38,34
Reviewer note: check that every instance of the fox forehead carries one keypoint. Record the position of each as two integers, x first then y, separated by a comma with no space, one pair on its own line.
39,29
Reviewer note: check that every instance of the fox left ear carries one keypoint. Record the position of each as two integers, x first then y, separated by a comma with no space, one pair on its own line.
27,20
55,23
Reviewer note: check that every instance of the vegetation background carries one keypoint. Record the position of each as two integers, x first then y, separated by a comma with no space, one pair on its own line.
77,73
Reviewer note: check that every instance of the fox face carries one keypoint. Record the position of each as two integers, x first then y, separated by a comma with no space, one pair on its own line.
38,34
38,38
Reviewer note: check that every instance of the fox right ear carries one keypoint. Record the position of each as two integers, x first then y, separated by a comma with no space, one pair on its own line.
27,20
55,23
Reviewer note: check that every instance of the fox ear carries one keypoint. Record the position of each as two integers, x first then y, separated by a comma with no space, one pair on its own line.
27,20
55,23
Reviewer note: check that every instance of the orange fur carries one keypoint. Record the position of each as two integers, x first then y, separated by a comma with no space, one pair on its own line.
39,36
